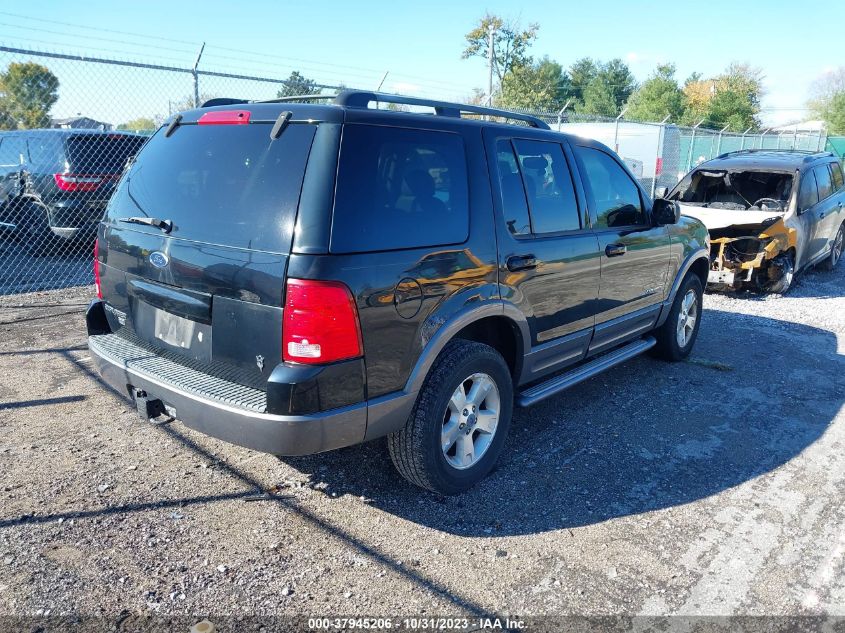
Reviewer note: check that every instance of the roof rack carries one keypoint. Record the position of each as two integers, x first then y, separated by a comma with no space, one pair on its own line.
808,152
362,99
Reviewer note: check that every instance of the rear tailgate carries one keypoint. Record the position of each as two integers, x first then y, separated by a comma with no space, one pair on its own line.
211,288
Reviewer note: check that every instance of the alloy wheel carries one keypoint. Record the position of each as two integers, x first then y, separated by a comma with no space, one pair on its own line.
687,318
470,421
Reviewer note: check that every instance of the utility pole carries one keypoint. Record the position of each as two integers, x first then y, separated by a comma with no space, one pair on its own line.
197,78
490,41
616,131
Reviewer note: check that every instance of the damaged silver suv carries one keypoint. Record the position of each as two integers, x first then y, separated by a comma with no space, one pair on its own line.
770,214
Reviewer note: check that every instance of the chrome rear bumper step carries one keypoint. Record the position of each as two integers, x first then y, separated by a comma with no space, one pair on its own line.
555,385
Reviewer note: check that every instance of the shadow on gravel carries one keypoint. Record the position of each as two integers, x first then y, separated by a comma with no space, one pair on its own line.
253,491
22,404
645,436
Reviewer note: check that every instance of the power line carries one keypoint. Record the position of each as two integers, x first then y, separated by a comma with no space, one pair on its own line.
93,37
99,29
113,52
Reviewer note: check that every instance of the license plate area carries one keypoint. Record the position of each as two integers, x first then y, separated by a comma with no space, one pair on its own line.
173,332
722,277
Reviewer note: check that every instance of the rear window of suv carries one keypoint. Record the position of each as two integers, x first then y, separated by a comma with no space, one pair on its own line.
220,184
399,188
101,153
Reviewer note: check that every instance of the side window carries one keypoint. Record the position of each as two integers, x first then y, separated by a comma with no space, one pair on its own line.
616,196
514,205
399,188
823,181
548,186
836,172
808,195
12,148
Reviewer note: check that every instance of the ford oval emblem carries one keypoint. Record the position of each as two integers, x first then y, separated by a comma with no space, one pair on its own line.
159,259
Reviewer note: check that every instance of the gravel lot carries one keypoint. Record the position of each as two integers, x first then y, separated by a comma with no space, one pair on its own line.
709,487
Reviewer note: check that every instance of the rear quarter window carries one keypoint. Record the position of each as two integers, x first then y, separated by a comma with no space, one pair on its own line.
399,188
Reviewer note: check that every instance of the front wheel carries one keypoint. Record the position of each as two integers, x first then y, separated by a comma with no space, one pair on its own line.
781,273
835,249
458,425
676,337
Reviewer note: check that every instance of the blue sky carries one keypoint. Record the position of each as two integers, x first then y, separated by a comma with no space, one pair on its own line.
419,43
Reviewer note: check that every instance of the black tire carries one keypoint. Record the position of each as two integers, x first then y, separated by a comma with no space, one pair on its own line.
34,229
836,249
668,346
416,449
783,269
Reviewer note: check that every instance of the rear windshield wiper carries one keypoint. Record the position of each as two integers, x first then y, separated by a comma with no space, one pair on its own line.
164,225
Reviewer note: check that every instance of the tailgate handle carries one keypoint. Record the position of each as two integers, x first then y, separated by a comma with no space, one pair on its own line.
191,305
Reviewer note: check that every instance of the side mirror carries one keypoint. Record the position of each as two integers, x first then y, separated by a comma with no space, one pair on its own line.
661,192
665,212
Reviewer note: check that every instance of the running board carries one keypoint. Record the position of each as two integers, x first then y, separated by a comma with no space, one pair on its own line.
555,385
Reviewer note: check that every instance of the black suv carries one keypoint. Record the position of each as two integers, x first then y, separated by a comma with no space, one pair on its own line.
56,183
297,277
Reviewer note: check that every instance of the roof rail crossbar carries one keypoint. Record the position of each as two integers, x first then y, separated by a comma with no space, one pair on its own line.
361,99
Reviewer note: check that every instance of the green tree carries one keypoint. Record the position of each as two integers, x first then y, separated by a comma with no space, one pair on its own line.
510,44
604,87
731,99
539,86
297,85
659,96
598,99
27,92
833,113
828,100
581,73
141,123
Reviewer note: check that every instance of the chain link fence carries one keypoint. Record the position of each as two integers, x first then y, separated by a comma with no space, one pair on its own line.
56,174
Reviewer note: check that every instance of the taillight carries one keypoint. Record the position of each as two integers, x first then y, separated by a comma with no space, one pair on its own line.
658,167
76,182
97,269
320,323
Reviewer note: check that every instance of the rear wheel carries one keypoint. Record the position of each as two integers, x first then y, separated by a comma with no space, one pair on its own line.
33,229
676,337
456,430
835,249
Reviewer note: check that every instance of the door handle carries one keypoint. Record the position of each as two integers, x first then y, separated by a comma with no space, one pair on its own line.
521,262
615,250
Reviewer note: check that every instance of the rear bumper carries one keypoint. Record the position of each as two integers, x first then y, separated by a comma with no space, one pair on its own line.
277,434
75,218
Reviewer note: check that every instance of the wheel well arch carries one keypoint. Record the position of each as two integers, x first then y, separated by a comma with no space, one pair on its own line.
700,267
502,334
